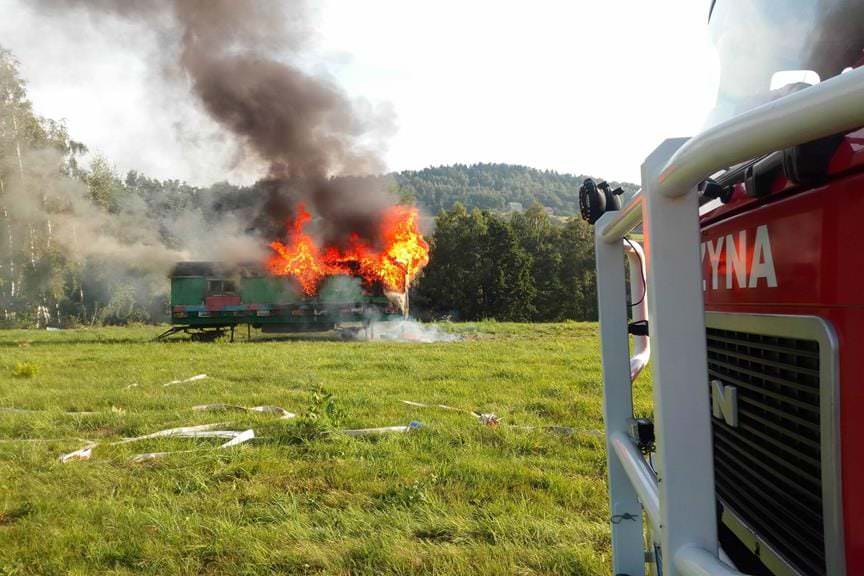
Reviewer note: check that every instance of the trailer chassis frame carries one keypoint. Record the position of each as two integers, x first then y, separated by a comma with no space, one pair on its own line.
204,333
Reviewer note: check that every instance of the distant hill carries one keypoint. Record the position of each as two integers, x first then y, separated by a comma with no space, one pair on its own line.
493,187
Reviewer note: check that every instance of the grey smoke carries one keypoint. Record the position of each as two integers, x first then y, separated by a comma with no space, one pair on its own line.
239,57
237,61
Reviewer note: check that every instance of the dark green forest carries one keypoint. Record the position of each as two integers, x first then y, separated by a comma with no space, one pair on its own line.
493,187
525,267
86,245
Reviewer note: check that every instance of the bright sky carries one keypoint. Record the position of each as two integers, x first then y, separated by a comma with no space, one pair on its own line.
570,85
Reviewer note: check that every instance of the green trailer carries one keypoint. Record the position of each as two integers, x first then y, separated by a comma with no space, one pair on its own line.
209,299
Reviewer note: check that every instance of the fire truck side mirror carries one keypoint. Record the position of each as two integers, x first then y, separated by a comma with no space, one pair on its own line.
595,199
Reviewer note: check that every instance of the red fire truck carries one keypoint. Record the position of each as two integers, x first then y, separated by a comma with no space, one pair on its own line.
753,462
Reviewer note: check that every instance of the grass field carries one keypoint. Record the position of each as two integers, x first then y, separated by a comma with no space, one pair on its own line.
454,497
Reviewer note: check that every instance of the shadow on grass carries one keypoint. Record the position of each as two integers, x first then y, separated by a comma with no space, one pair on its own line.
72,341
241,337
42,339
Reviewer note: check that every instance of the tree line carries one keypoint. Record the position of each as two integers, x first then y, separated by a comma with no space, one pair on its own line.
519,267
494,187
83,245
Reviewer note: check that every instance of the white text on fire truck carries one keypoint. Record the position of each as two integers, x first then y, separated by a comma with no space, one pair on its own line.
743,268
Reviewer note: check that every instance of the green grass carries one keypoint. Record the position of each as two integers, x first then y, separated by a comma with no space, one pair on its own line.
454,497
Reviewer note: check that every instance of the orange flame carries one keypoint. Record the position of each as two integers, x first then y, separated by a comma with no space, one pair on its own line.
403,255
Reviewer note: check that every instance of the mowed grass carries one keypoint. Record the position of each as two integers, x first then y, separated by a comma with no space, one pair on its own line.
453,497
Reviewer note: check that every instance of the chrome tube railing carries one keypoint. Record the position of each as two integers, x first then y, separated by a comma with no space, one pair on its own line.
641,477
833,106
639,304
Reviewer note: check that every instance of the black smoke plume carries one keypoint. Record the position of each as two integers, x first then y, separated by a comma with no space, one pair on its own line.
237,56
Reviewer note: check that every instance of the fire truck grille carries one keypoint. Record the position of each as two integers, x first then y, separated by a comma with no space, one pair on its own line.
768,467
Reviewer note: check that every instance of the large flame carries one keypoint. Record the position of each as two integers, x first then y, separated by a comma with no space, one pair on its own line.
402,255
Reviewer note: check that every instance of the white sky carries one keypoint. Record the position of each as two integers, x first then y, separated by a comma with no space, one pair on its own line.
571,85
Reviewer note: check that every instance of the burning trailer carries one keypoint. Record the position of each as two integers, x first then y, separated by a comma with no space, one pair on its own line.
304,285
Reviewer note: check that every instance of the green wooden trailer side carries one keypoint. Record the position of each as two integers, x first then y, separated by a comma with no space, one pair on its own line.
213,295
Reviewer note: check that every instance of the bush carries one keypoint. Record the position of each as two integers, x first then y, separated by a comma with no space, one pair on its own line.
322,415
24,370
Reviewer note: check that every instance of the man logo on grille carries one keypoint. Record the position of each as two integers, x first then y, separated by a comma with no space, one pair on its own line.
724,402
